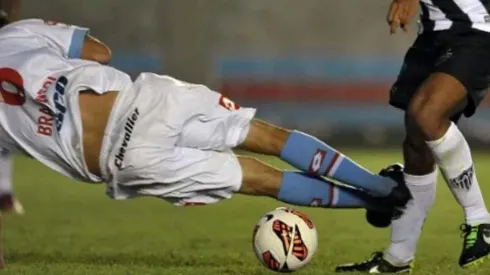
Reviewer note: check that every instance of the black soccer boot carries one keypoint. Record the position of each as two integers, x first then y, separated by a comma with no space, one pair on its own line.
377,264
379,218
476,244
400,195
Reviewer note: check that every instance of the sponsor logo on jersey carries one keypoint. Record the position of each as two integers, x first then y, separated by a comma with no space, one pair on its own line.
464,180
41,94
59,102
45,120
48,119
128,131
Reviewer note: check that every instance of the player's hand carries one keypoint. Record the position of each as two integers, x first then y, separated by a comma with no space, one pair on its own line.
401,13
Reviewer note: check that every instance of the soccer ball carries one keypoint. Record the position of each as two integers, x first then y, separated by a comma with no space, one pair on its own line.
285,239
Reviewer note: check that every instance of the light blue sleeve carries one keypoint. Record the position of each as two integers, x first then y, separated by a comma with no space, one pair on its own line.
76,44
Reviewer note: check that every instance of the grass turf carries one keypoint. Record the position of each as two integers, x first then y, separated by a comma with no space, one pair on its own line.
72,228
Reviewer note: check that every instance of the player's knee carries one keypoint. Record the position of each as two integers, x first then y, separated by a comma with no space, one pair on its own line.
259,179
265,138
436,101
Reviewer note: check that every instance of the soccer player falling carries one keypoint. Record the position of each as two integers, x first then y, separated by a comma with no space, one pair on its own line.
157,136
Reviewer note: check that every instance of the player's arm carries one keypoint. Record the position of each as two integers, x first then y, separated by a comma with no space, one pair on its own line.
93,49
69,40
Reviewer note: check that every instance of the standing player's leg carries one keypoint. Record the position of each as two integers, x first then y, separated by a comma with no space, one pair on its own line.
315,157
420,172
420,176
456,84
438,98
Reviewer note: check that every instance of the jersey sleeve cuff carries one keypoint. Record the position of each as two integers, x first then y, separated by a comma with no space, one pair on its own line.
76,45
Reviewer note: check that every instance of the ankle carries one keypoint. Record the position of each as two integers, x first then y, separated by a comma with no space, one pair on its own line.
475,216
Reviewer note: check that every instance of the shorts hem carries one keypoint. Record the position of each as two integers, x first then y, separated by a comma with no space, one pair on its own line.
241,132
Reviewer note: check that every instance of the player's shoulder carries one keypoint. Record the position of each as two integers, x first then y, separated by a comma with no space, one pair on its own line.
30,24
24,22
21,25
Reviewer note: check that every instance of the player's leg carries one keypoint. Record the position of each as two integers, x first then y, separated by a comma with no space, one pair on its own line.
217,123
188,176
431,108
186,155
298,188
420,174
430,129
315,157
457,84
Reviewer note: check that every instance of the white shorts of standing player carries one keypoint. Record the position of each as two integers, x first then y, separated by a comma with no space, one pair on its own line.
170,139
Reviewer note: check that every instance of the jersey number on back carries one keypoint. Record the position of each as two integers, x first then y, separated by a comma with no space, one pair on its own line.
12,90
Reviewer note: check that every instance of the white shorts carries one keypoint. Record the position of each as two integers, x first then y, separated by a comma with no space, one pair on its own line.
173,140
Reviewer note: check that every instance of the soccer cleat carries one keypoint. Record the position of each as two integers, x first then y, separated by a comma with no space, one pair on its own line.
382,219
400,195
377,264
476,244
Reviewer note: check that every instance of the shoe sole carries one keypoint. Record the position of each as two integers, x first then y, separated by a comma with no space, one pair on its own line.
476,263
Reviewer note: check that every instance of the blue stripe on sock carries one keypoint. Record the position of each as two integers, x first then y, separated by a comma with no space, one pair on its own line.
311,155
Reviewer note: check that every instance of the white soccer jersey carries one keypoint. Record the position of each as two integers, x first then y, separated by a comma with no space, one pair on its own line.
41,75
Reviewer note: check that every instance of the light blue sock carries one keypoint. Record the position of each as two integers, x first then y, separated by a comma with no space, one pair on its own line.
301,189
311,155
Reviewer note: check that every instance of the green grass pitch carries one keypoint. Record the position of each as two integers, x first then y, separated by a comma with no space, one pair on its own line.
72,228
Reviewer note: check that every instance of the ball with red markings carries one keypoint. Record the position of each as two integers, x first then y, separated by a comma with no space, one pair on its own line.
285,239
